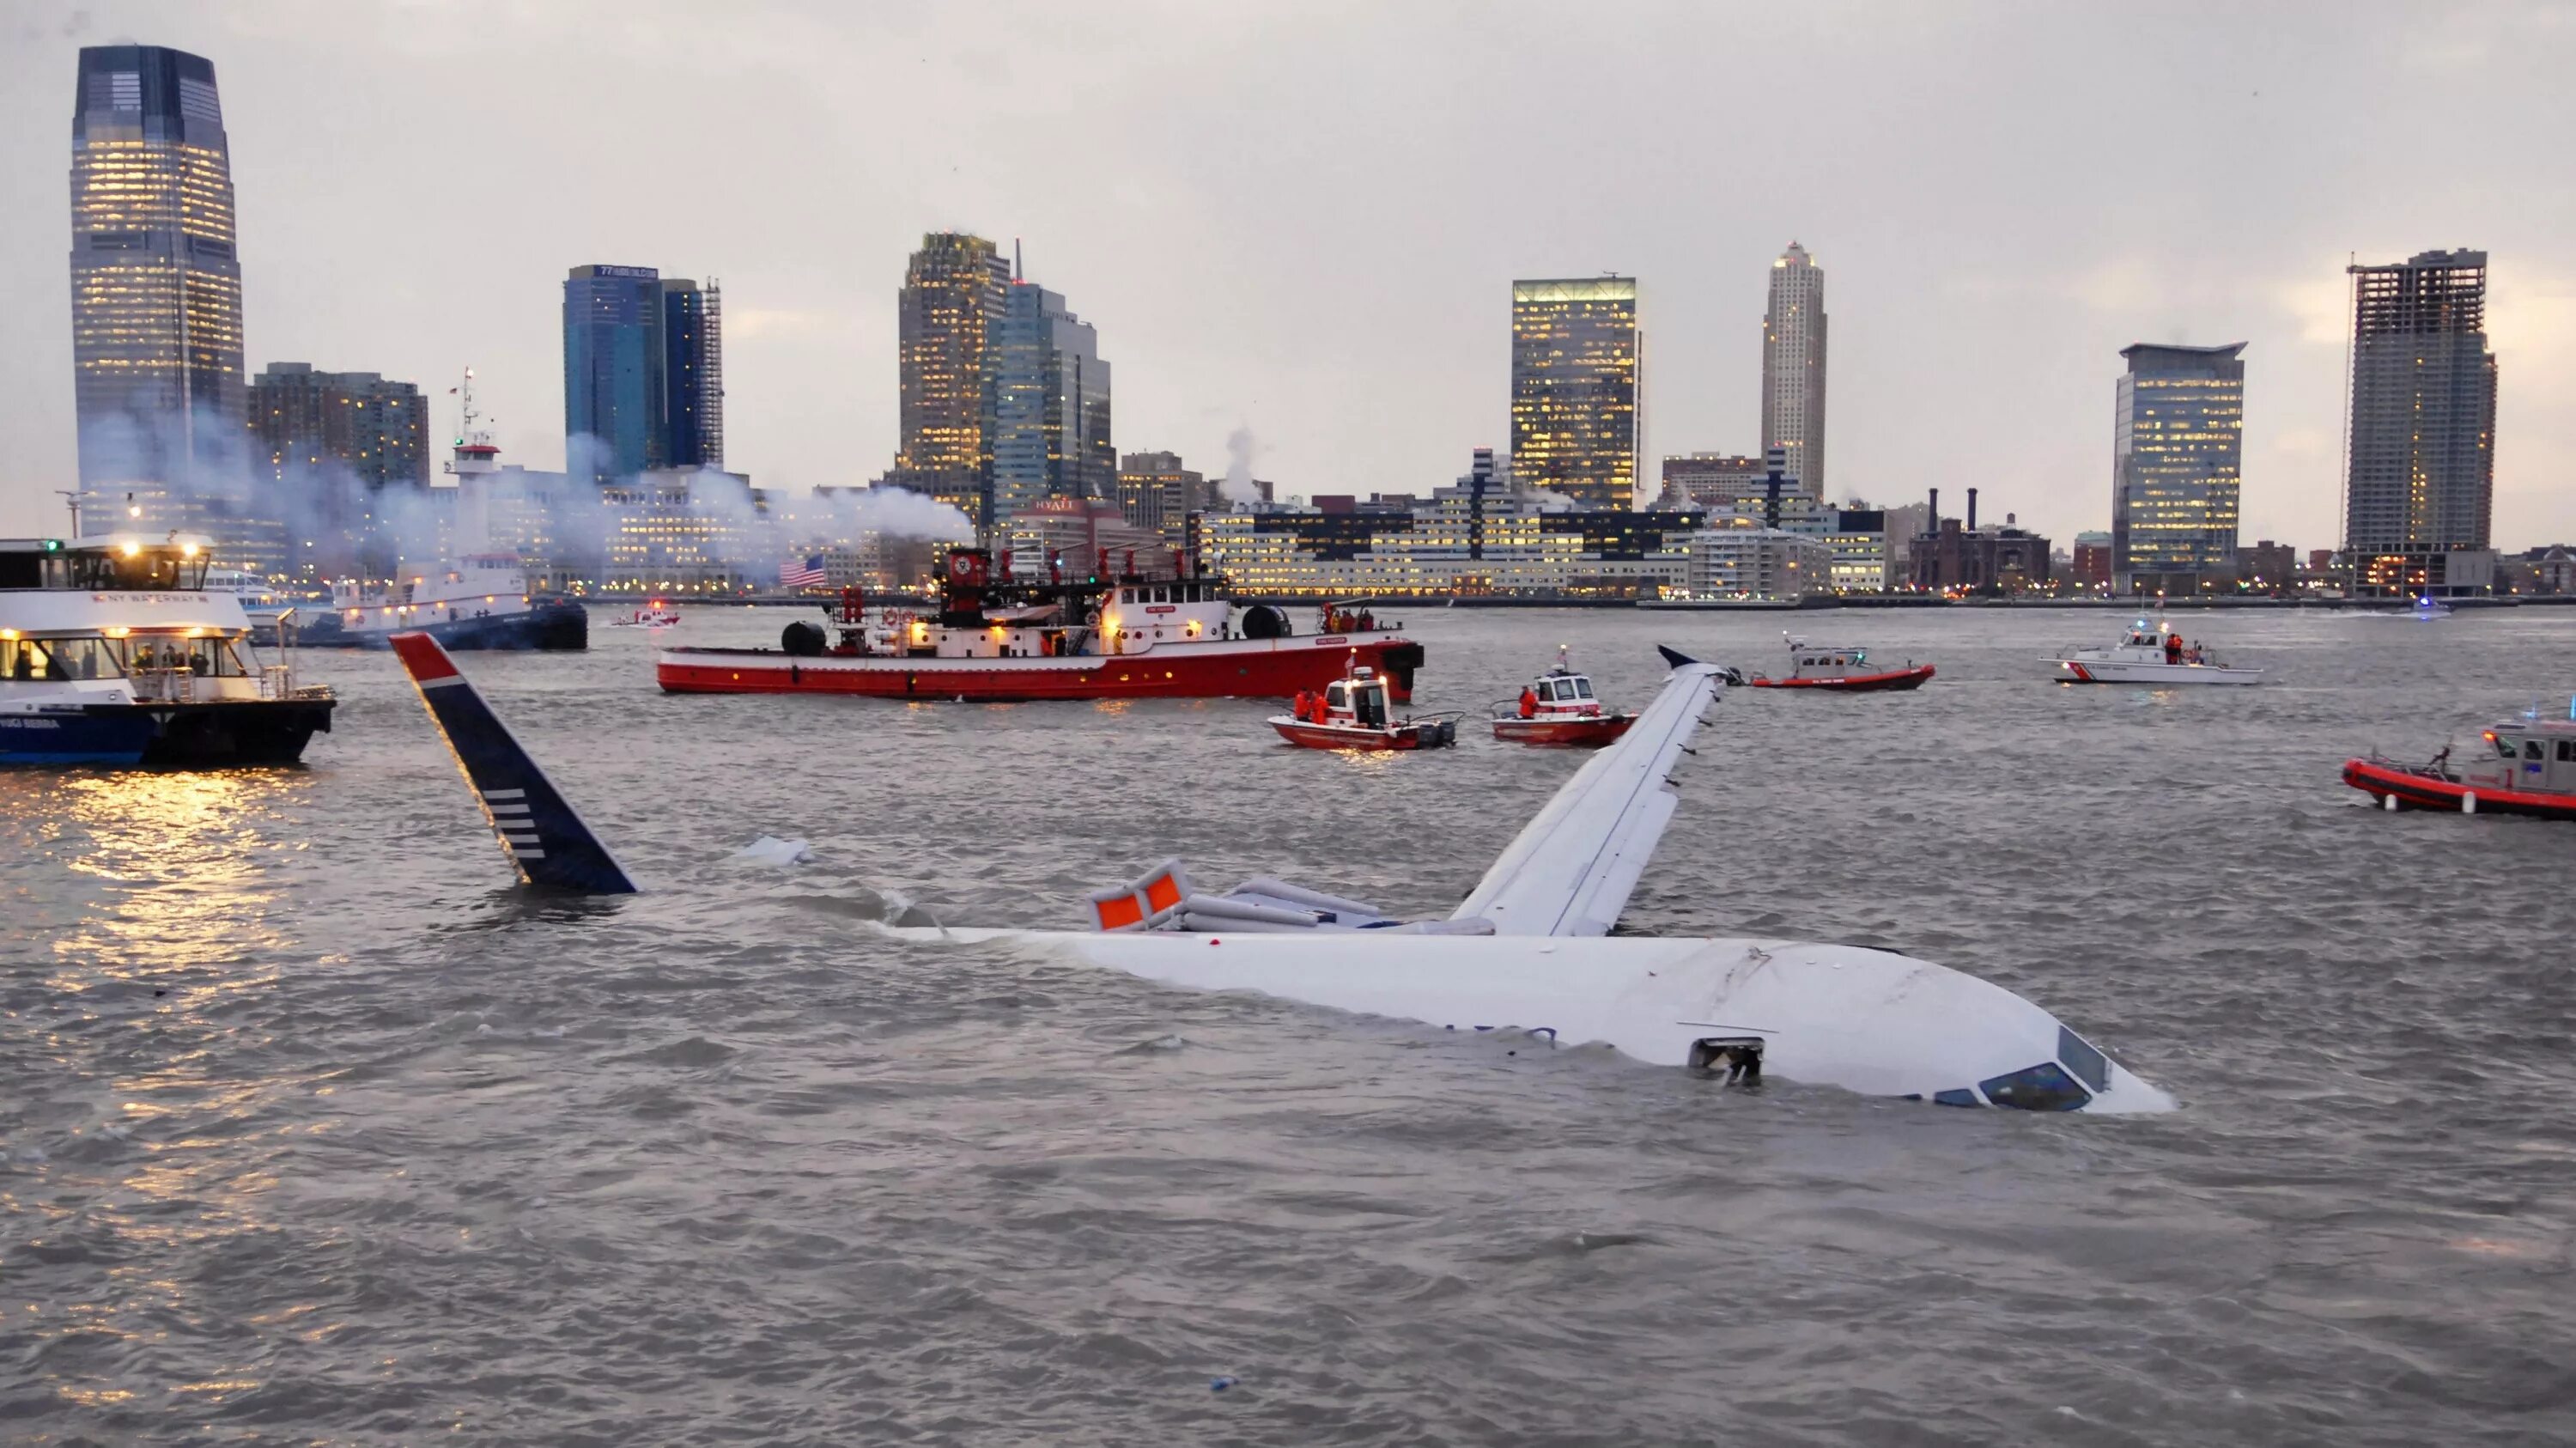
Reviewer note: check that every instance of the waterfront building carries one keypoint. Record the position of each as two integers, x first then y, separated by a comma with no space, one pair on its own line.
1155,492
2089,566
157,373
955,292
1737,559
2419,484
1075,531
1793,367
2177,454
687,531
329,447
1696,480
1577,420
2268,567
1051,411
1951,557
1484,535
616,371
692,374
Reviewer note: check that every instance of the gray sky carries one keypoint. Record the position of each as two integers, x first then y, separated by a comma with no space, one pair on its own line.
1305,217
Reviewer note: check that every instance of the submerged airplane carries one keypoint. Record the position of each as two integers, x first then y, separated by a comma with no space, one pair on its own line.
1529,949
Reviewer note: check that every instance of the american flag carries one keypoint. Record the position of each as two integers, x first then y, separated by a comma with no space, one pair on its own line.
808,574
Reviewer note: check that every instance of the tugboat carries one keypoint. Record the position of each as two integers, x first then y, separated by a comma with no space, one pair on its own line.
113,651
480,601
2147,654
1110,636
1557,709
1841,670
1351,713
2528,767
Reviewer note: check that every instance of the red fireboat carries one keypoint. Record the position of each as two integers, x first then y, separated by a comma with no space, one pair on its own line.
1351,713
1558,710
1129,635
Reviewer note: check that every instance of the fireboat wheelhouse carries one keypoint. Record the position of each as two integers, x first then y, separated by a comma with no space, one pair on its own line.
997,638
113,651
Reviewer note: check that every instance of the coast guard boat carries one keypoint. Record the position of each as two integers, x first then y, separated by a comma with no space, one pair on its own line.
2524,766
1529,951
114,651
479,601
1841,670
1128,635
2148,654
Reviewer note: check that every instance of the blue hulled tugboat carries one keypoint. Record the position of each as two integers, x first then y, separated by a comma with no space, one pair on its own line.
113,651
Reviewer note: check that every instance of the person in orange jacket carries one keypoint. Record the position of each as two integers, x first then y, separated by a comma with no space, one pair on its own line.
1529,703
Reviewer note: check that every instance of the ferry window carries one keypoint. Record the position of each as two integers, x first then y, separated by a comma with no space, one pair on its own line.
83,659
1583,688
2044,1087
24,659
2088,1064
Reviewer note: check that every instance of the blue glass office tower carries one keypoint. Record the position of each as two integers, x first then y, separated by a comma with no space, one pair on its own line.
1050,407
616,372
692,374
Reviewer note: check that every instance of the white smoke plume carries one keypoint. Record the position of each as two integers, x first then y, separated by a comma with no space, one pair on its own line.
1237,489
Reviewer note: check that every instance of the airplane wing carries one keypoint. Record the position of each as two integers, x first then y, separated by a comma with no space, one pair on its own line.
539,830
1569,872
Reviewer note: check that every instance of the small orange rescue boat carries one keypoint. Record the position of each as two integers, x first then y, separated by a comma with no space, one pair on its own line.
1558,710
1351,713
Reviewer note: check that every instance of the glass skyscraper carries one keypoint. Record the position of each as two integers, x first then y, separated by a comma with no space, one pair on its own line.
954,294
1575,388
2419,488
1050,405
156,300
616,371
2177,454
692,374
1793,368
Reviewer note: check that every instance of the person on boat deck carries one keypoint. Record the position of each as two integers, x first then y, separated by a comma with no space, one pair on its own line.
1529,702
1297,707
2173,648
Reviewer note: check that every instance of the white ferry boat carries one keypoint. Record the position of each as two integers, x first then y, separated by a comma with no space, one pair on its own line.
114,651
480,601
2148,654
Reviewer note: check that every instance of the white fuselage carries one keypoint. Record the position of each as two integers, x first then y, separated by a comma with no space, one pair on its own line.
1833,1015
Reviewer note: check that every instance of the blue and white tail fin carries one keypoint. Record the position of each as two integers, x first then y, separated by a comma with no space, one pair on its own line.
542,833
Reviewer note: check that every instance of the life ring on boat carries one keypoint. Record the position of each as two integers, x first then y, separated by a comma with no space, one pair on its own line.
1092,618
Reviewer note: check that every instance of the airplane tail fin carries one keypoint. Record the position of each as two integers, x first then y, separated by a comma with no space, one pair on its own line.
543,835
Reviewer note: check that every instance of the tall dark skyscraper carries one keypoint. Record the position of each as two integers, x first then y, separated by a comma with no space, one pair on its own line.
1575,388
954,295
331,444
1051,405
692,374
616,369
156,292
2419,480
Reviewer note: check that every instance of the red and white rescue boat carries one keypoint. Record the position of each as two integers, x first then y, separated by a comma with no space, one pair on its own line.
997,639
2525,766
1558,710
1352,713
1843,670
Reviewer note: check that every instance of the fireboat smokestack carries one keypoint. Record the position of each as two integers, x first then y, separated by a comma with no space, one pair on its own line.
1972,510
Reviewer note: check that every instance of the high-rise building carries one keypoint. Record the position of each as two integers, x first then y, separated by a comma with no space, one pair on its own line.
692,374
2419,485
954,294
1793,367
2176,454
616,371
1576,374
156,298
1155,491
330,446
1694,480
1051,405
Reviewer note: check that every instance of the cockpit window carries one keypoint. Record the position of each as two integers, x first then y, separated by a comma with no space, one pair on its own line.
1960,1097
2044,1087
2078,1055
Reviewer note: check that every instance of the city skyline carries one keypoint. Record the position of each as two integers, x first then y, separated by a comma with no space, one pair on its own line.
1320,294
